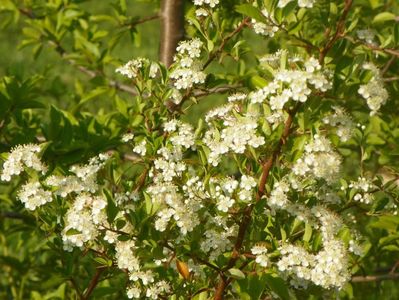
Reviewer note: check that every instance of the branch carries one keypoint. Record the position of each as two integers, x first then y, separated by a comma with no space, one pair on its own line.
338,32
375,278
266,167
16,216
172,29
390,51
141,21
214,54
93,283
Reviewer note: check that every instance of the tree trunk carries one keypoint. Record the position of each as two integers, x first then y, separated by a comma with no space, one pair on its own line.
172,29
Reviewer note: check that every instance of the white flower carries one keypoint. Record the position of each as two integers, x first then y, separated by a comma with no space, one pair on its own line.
342,122
367,35
374,91
291,84
211,3
127,137
33,195
133,292
125,256
20,157
247,182
237,97
318,161
306,3
200,12
131,68
355,248
141,148
170,126
266,29
224,203
237,134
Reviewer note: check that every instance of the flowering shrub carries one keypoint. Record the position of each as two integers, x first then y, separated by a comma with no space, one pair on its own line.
261,164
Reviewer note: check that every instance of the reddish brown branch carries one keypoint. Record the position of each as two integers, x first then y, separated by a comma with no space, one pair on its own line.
214,54
338,32
246,219
222,284
373,47
93,283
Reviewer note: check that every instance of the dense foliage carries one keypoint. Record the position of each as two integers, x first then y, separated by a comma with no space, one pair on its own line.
263,163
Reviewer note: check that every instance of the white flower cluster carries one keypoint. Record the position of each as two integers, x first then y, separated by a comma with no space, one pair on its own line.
238,133
127,259
342,122
278,196
237,97
127,137
132,68
319,161
182,206
301,3
355,248
33,195
292,84
329,267
261,257
205,6
84,180
20,157
363,187
217,239
141,148
83,219
187,69
266,29
366,35
227,189
210,3
374,91
184,136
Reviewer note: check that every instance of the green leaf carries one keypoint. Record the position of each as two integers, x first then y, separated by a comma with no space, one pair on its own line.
73,231
258,82
236,273
112,209
384,17
277,285
251,11
93,94
308,232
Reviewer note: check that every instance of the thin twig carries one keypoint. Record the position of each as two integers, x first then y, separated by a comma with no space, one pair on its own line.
143,20
376,278
338,32
214,54
373,47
